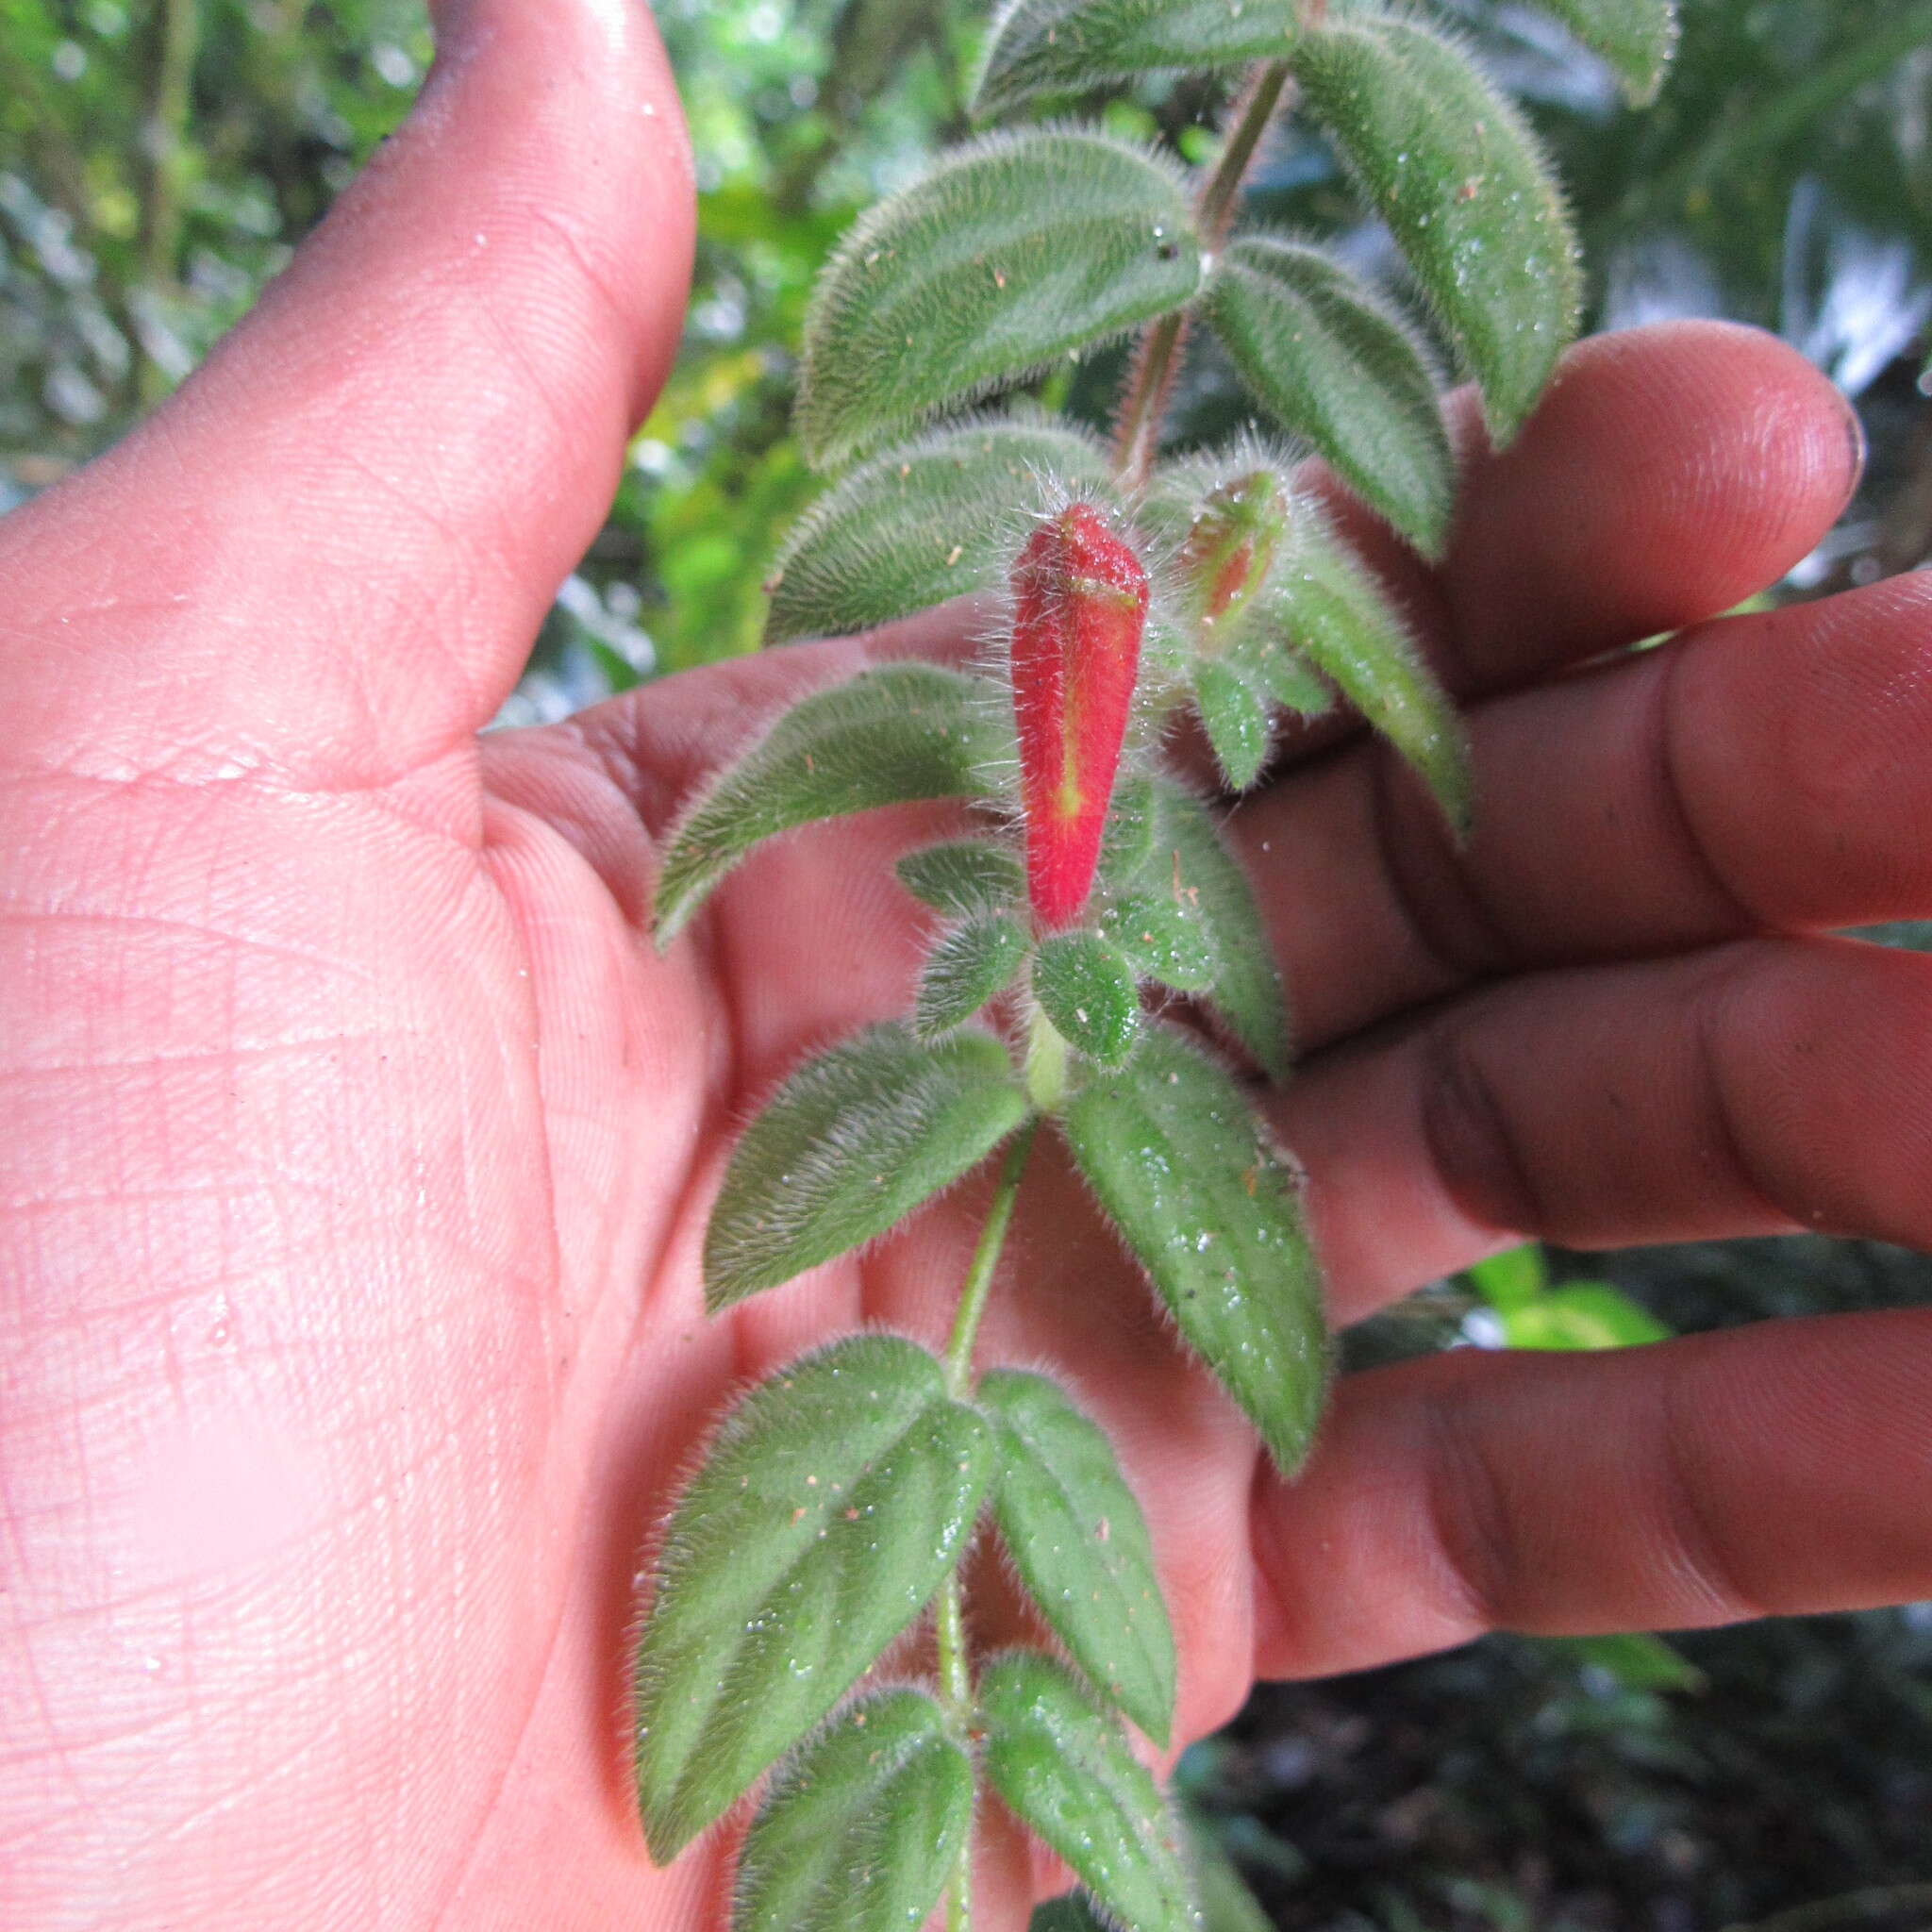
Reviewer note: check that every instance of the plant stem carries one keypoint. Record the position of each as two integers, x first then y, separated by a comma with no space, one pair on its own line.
1157,359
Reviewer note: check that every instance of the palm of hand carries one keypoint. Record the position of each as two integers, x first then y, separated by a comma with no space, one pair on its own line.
363,1147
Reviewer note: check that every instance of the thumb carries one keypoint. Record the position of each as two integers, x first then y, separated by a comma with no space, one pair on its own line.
329,551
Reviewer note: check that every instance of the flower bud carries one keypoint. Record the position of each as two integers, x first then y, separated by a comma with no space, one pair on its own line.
1230,544
1079,607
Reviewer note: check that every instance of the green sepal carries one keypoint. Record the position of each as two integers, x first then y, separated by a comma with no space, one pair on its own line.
886,736
1334,612
1067,1772
922,524
1074,46
1078,1540
1449,164
1636,36
1086,988
1332,362
967,968
1234,714
964,878
860,1827
850,1146
1014,250
1170,1147
1161,940
832,1504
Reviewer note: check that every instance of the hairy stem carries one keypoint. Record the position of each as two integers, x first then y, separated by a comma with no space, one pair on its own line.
1156,358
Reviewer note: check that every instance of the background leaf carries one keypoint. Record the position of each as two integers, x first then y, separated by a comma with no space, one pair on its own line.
1169,1146
1331,363
1080,1543
850,1146
1336,613
1069,46
1011,252
831,1505
1067,1772
859,1830
1086,988
918,525
964,878
967,968
908,731
1448,164
1636,36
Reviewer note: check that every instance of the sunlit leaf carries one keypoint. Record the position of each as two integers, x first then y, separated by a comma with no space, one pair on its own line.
1170,1147
1086,988
967,968
859,1830
1014,250
964,878
1066,1770
930,520
1512,1279
1072,46
1450,166
850,1146
1163,940
1636,36
1236,717
908,731
1332,362
832,1504
1334,612
1078,1540
1582,1315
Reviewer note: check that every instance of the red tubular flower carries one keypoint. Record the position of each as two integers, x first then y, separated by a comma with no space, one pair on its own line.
1080,605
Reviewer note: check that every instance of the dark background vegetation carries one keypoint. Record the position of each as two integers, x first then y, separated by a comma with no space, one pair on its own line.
160,158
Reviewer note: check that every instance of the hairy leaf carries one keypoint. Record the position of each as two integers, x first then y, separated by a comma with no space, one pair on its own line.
908,731
1166,941
1636,36
1066,1769
930,520
1192,865
1086,988
860,1829
1080,1544
850,1146
1169,1146
1337,614
1331,363
1069,46
964,878
1126,847
1459,177
833,1503
967,968
1290,679
1235,715
1014,250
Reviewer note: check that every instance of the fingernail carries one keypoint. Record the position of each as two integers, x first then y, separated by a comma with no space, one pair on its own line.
1860,446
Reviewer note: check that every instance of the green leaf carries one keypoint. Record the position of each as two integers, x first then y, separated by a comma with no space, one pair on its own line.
850,1146
859,1830
908,731
1582,1315
1066,1770
1510,1279
1637,1660
964,878
1165,942
1227,1904
1197,871
1171,1150
1292,681
1126,846
1333,363
1636,36
1080,1544
1236,718
1450,166
1013,251
833,1503
1336,613
1072,46
928,521
1086,988
967,968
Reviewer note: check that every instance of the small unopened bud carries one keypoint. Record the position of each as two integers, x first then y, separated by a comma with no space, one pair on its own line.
1231,543
1079,607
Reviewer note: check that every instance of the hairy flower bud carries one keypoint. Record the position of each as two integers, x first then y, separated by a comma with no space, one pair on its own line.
1231,543
1079,607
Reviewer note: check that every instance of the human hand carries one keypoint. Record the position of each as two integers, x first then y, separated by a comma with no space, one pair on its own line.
360,1145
